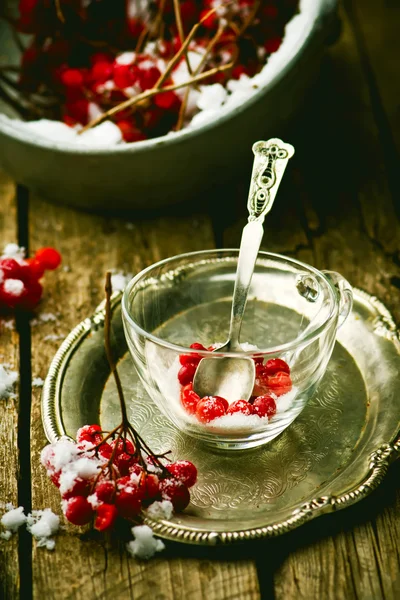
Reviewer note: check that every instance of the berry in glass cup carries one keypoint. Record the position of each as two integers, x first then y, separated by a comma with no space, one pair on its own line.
272,381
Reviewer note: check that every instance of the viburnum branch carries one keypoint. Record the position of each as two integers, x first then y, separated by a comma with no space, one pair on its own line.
250,18
59,12
179,25
150,93
209,47
107,344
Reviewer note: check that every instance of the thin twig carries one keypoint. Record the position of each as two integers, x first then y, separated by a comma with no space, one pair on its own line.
141,39
153,92
107,344
60,14
185,99
179,25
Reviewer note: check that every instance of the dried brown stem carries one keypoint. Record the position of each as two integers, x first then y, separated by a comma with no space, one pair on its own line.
150,93
178,19
210,46
107,344
141,40
250,18
60,14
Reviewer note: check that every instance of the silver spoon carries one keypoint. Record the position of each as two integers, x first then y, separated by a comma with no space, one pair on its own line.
233,378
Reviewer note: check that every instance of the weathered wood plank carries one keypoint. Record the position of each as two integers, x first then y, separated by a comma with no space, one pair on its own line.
9,353
337,212
93,569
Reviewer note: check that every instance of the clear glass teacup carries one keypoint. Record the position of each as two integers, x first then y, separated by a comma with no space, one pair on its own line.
292,314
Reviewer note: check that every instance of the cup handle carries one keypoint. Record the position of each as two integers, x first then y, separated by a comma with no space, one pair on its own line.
345,292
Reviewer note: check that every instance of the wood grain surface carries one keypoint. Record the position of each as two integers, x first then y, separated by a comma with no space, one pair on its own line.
9,354
338,209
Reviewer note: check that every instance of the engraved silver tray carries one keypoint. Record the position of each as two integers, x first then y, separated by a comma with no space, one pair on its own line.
335,453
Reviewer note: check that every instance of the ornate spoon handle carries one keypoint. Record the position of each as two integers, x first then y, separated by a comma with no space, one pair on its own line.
270,160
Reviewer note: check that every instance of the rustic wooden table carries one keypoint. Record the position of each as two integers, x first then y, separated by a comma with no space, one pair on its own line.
337,210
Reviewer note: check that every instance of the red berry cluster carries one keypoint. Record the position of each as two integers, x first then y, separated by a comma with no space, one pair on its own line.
64,54
20,285
102,478
272,380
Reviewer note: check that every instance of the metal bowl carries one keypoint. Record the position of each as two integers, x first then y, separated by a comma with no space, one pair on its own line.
171,168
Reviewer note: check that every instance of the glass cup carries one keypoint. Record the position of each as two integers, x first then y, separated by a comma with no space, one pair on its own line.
293,313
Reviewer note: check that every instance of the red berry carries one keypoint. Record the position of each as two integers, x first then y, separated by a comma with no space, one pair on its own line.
280,383
33,295
123,446
12,292
105,491
72,78
241,406
188,11
130,132
168,101
36,268
105,517
270,11
185,471
194,358
136,469
123,77
105,450
186,373
175,491
101,71
189,398
148,77
78,110
89,433
264,406
272,44
276,365
128,501
78,511
150,487
258,360
100,57
49,258
123,461
81,487
209,20
210,408
11,268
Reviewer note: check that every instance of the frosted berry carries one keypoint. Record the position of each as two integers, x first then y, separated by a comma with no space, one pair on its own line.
186,373
124,461
105,450
150,487
101,71
89,433
11,268
280,383
128,502
36,268
136,469
276,365
176,492
264,406
50,258
240,406
78,510
185,471
189,398
123,76
123,446
210,408
105,491
105,517
81,487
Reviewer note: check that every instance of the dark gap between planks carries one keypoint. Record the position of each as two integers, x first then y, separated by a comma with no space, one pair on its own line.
24,413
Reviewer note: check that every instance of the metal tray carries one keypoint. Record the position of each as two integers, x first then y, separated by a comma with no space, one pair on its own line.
335,453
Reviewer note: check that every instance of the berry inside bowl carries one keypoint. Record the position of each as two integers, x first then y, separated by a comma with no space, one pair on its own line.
178,310
119,158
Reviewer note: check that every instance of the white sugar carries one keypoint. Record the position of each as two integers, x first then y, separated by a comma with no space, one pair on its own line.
161,510
14,287
59,454
37,382
5,535
7,381
47,317
237,423
42,524
119,281
93,501
211,96
13,519
105,134
13,251
145,545
126,58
